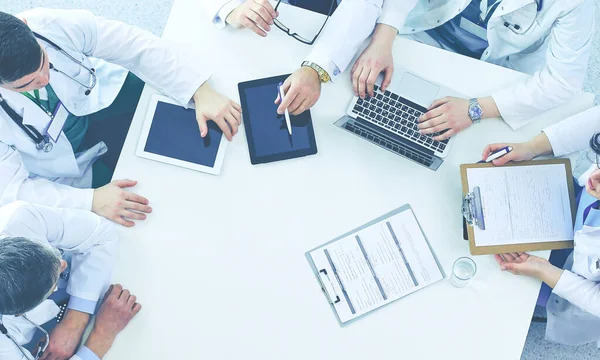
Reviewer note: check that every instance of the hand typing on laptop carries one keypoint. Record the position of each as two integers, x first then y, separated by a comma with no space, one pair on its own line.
451,114
374,60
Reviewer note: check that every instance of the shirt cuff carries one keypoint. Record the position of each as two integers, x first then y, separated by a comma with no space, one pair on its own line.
565,284
505,102
329,66
86,354
553,134
395,19
79,304
220,19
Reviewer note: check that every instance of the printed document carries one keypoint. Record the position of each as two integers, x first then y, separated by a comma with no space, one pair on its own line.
523,204
377,265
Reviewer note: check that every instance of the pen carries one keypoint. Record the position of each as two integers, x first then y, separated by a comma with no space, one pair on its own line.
496,154
288,122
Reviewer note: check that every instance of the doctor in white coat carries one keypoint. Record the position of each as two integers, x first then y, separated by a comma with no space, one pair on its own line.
548,39
32,241
574,306
351,23
81,61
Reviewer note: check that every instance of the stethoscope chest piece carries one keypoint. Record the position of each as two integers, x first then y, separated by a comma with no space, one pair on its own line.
45,145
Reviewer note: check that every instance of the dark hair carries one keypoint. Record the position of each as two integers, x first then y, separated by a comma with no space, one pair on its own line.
28,272
595,143
20,53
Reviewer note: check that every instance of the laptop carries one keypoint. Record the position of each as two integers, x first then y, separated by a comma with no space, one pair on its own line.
389,119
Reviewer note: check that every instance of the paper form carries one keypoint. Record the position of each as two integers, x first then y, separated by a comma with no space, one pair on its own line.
523,204
377,265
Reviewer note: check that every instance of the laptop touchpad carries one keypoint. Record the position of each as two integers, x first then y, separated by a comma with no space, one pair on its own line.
418,90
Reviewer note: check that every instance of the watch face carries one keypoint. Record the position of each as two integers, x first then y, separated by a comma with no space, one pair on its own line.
475,112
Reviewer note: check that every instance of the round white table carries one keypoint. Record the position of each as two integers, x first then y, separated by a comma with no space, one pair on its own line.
220,265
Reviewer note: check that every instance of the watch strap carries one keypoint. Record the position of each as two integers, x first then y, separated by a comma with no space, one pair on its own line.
323,75
474,103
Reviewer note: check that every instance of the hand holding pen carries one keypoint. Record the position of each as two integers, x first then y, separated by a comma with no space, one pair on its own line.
500,154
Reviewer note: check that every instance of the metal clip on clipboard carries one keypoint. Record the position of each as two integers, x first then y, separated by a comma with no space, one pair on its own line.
324,280
472,209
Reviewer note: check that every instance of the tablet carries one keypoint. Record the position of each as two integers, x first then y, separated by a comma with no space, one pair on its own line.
266,131
171,135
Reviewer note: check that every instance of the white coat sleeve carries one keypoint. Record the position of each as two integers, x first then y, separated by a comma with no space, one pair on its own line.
395,12
221,16
579,291
348,27
567,57
15,184
215,9
9,351
574,133
167,67
91,239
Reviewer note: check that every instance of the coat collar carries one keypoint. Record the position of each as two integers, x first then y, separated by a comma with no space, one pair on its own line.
509,6
32,114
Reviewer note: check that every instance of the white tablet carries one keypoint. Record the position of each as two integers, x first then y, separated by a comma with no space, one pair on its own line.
171,135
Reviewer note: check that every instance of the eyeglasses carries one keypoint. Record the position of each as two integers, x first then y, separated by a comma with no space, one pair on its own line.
300,38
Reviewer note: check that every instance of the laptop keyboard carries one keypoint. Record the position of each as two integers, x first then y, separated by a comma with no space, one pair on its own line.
392,146
397,115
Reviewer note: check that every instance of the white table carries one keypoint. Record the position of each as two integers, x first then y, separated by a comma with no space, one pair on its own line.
220,267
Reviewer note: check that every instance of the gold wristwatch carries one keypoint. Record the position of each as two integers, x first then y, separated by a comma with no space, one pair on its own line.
323,75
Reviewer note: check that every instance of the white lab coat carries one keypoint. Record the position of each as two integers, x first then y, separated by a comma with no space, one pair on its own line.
110,47
91,240
574,305
346,30
555,50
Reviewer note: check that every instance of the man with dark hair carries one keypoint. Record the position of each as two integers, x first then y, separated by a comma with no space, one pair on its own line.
15,34
33,239
64,71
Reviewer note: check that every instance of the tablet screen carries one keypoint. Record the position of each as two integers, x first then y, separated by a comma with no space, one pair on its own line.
174,133
267,133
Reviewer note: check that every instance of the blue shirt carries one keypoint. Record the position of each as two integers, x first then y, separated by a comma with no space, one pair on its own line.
451,36
592,217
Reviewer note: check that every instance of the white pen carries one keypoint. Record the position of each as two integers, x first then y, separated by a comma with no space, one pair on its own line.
286,113
498,154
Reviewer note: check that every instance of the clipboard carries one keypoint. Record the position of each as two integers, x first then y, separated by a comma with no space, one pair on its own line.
472,210
326,279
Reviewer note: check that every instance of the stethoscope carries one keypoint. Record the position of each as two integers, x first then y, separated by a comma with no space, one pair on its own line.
515,28
42,347
92,71
42,142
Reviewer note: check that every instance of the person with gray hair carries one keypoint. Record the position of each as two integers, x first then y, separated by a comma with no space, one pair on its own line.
33,240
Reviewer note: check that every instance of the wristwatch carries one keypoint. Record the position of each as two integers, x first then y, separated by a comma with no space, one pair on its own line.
475,111
323,75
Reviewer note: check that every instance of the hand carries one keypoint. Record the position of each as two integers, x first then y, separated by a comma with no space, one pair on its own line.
522,263
302,91
448,114
256,15
65,337
376,58
520,152
210,105
116,204
117,310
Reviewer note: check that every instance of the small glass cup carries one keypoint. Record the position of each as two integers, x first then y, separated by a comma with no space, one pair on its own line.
463,271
